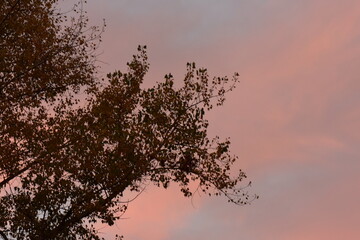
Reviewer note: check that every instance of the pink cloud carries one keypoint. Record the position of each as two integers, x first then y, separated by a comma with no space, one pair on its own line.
293,119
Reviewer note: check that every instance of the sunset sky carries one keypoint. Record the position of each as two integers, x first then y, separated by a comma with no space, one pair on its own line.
294,119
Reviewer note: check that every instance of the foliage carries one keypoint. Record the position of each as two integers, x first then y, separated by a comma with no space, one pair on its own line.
65,164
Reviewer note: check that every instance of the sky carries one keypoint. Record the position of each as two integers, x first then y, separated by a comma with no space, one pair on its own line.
293,120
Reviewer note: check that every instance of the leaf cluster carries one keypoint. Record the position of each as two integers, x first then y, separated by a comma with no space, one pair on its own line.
65,166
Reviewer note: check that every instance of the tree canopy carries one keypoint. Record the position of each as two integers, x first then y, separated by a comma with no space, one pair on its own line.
72,143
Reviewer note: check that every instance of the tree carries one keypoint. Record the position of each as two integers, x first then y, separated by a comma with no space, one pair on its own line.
66,160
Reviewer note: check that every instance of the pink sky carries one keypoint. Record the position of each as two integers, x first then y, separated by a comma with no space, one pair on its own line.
294,119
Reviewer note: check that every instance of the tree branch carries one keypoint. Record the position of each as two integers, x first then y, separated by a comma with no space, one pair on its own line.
3,235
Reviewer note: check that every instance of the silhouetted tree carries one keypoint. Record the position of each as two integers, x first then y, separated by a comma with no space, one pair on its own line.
64,163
